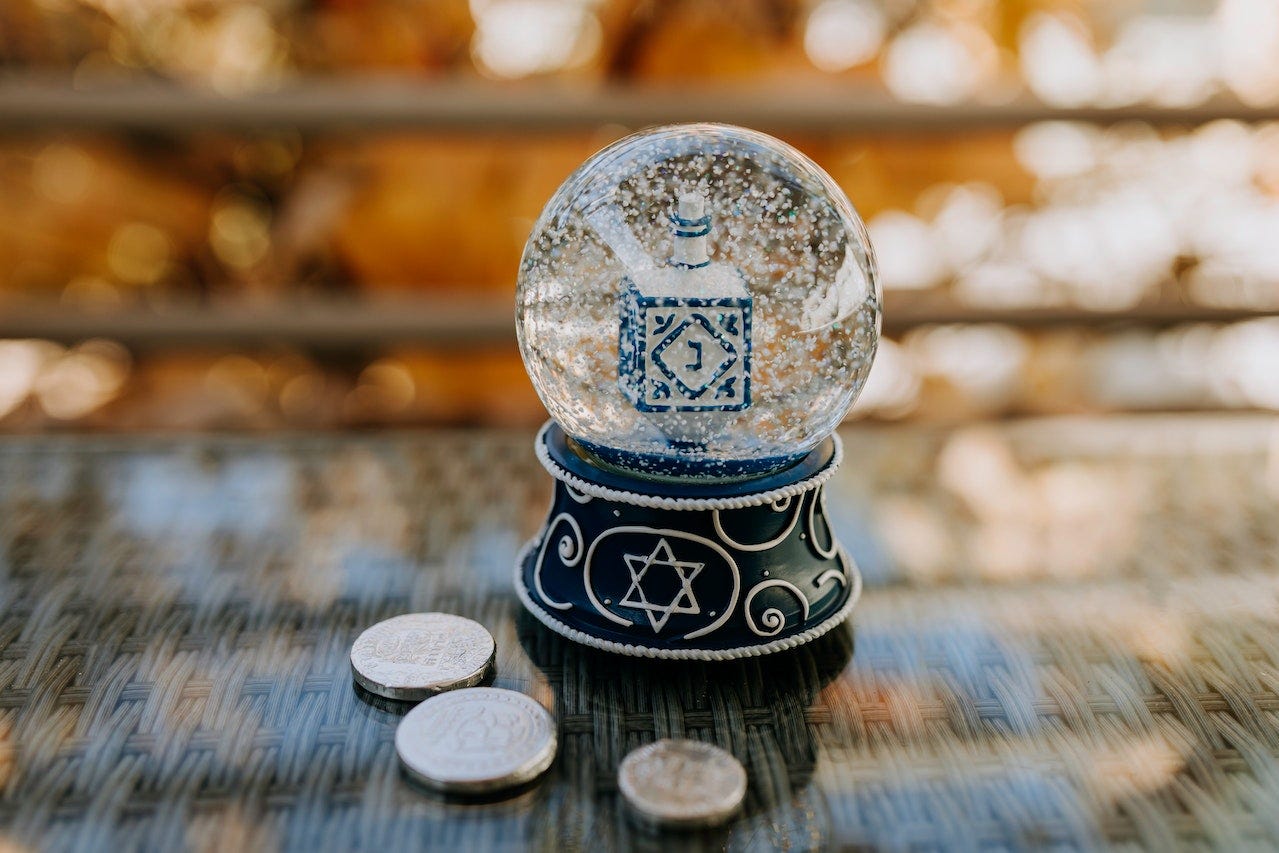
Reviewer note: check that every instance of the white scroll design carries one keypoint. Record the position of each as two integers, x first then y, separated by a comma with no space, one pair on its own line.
780,505
569,549
772,618
576,495
831,549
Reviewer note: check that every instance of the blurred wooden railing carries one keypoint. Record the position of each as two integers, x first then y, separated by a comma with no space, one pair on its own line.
31,102
338,324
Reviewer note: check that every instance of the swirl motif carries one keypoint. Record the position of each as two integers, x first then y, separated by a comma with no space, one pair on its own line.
579,497
569,548
831,574
780,505
830,550
772,618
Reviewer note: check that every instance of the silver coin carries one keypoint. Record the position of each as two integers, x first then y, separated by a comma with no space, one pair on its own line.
682,783
478,740
420,654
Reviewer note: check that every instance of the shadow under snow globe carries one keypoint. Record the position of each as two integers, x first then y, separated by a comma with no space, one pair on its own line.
698,308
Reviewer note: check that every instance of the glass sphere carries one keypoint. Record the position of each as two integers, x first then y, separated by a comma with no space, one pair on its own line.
698,301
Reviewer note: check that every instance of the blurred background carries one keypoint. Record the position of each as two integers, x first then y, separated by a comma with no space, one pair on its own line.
310,213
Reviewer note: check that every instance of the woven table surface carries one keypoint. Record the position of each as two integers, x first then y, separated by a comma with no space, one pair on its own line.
1067,639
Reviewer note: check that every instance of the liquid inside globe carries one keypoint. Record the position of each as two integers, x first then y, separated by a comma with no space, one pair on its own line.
698,301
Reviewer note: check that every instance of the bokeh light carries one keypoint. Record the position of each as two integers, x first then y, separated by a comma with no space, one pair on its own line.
266,277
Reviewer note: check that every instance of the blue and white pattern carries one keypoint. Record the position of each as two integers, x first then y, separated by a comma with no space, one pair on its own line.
709,577
685,354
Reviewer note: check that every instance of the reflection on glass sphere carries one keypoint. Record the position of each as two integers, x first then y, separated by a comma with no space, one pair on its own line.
698,300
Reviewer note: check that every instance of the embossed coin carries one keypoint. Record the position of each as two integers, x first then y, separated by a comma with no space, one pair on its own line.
420,654
682,783
476,741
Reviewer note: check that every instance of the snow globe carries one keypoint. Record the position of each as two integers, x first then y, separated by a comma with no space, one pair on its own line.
697,307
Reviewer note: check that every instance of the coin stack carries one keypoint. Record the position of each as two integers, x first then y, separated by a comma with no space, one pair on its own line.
469,740
461,739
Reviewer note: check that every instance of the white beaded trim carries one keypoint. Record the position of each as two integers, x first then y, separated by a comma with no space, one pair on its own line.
655,502
686,654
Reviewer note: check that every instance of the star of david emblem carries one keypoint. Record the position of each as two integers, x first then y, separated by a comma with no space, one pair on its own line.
663,561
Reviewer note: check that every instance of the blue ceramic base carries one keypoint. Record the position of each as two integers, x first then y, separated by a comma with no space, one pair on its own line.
701,572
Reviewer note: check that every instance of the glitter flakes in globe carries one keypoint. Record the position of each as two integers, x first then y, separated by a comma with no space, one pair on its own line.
698,300
697,308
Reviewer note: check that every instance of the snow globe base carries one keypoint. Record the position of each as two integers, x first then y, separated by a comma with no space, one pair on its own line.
686,570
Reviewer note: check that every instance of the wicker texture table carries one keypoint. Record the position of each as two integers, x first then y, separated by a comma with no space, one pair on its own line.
1067,639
